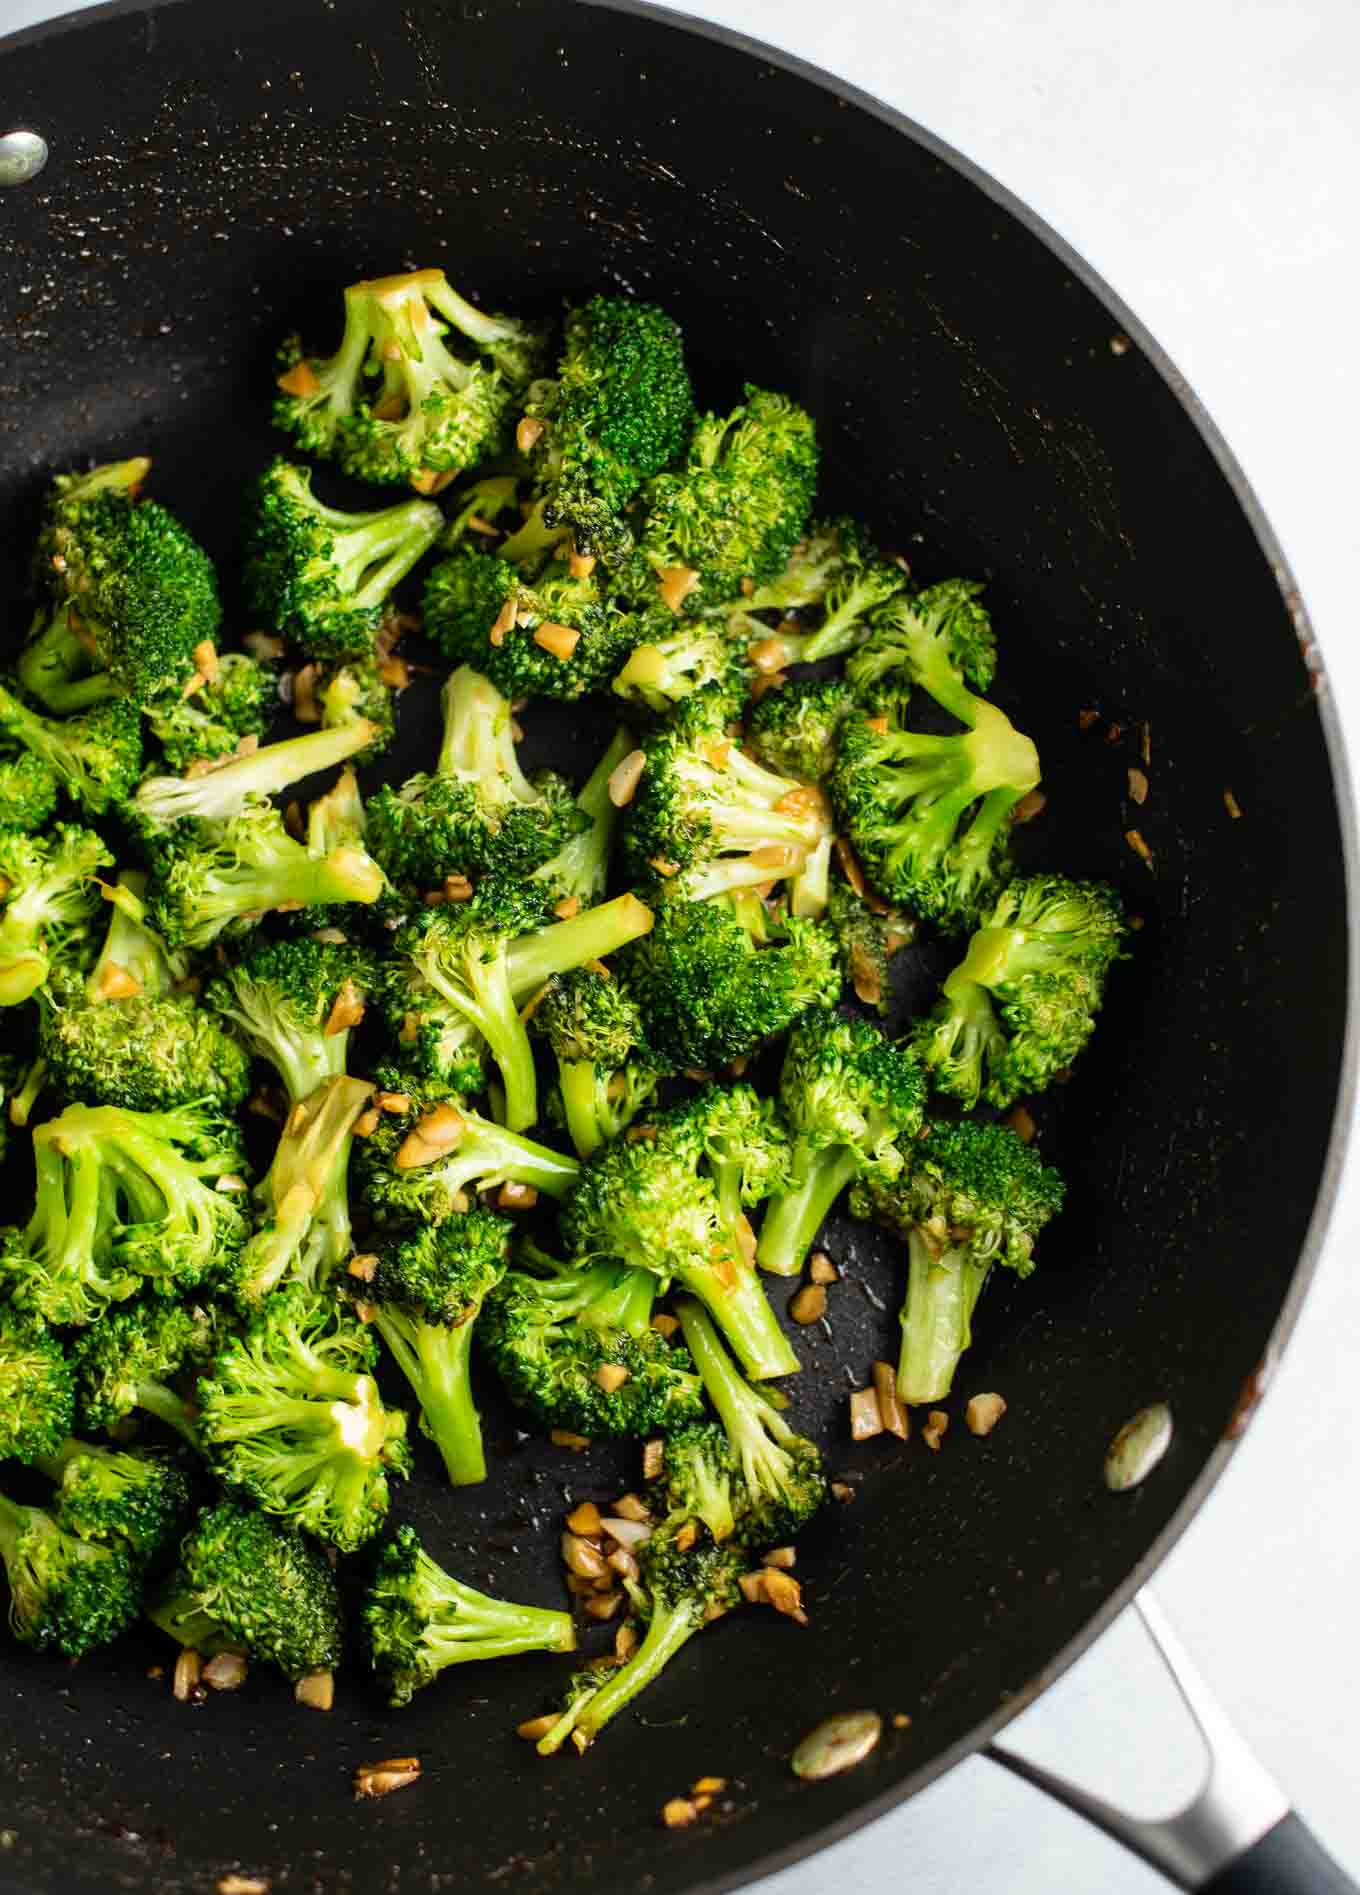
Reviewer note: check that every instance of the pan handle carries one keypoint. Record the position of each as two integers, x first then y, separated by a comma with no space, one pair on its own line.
1238,1835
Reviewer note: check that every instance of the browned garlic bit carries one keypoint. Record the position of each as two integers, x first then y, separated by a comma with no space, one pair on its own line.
890,1409
821,1269
936,1424
243,1885
316,1689
983,1412
809,1305
625,778
388,1774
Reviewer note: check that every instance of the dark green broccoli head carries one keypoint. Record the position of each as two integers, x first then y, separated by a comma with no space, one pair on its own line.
144,1054
37,1389
867,935
700,1479
131,595
590,1017
420,1619
844,1084
737,508
445,1272
128,1358
440,1045
290,1417
1022,1003
28,792
450,377
245,1585
551,1332
324,576
117,1498
238,701
51,903
795,730
971,1187
929,815
64,1594
95,755
709,995
674,659
293,1002
618,411
940,638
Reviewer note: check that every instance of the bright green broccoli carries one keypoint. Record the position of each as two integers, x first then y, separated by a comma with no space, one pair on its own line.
708,818
50,902
95,756
710,993
138,1501
64,1593
561,635
420,1620
355,690
678,657
618,411
323,576
1022,1002
795,729
579,870
37,1389
605,1072
782,1482
868,934
244,1585
550,1329
836,573
126,596
673,1199
237,701
290,1417
853,1102
293,1003
124,1037
939,638
450,377
425,1295
969,1196
302,1204
472,964
477,508
130,1358
28,790
477,813
928,815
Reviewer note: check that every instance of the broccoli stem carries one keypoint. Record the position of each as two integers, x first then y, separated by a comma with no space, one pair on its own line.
943,1287
731,1291
436,1359
290,877
581,865
23,1101
13,1519
477,1627
582,1084
589,936
669,1628
375,551
168,1407
179,1615
533,543
51,665
793,1219
223,793
131,945
810,887
478,742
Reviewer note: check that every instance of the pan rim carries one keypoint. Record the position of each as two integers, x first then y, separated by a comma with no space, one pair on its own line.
1128,324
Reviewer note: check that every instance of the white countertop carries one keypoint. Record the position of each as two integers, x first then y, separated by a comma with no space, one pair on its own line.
1204,156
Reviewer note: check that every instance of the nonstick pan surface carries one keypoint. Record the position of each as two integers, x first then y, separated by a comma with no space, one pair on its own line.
216,175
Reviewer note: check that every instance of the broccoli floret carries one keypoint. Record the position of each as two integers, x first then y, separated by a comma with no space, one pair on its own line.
561,636
735,510
123,1037
708,818
355,690
95,756
710,994
550,1329
835,570
928,814
425,1296
477,961
782,1482
64,1593
685,1582
852,1102
867,935
290,1416
795,730
450,376
130,1358
618,411
579,871
674,660
940,638
173,809
303,1202
673,1200
244,1585
293,1004
237,701
124,1198
419,1167
323,576
605,1073
969,1196
477,813
37,1389
137,1501
420,1619
1022,1002
50,901
126,595
477,508
28,792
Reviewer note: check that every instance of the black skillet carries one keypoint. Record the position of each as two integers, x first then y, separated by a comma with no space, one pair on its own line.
216,172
